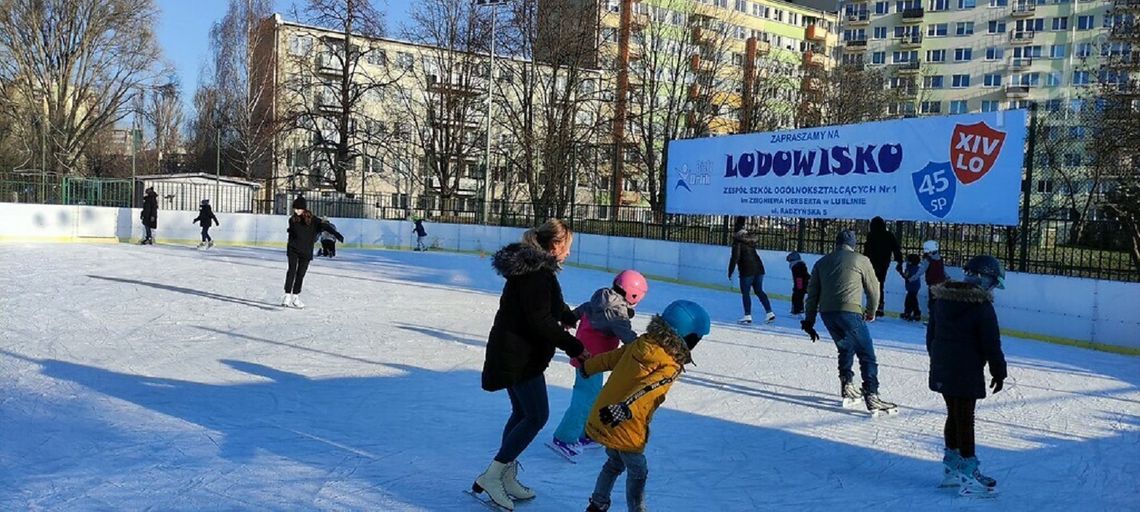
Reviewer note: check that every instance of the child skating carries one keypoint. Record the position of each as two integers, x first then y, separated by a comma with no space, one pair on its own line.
961,339
206,218
643,372
911,311
800,278
328,243
421,235
604,322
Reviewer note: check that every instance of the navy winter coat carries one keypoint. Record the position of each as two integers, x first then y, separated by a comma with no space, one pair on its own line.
529,323
962,338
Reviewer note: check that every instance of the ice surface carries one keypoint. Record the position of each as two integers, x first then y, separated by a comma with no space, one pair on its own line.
167,378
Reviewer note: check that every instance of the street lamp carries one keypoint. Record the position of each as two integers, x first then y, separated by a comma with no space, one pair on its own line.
488,183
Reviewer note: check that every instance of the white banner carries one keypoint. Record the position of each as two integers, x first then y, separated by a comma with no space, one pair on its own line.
961,169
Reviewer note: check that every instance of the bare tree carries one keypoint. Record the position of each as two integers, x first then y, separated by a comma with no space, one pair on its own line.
202,141
772,90
160,110
549,101
443,106
325,97
74,65
850,93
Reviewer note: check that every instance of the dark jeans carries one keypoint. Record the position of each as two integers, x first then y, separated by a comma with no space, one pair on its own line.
959,430
798,300
853,339
882,294
328,248
749,284
148,234
296,274
911,306
206,233
617,463
529,411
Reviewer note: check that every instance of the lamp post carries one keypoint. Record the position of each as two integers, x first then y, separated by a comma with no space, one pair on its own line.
218,125
488,183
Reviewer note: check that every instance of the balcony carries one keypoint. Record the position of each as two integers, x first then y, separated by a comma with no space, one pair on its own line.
327,102
908,92
860,18
1126,4
913,15
1016,91
763,47
1020,64
858,45
1023,9
448,88
1126,31
328,64
1021,36
815,33
1123,61
694,92
814,59
910,42
908,68
702,35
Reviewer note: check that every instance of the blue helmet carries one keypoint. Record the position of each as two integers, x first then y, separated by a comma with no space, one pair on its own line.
687,318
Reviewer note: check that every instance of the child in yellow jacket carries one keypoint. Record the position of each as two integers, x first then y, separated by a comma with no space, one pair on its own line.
643,372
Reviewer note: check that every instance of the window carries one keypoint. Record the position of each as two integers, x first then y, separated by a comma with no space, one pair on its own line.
1057,51
1085,22
939,5
967,4
958,107
1072,160
960,81
1053,79
991,105
882,8
880,32
879,58
931,107
405,61
1061,23
999,3
963,54
1027,52
933,82
1045,186
996,27
300,45
936,30
1030,25
1080,77
1084,49
376,57
936,55
742,5
964,28
1077,132
992,80
995,53
902,57
1053,105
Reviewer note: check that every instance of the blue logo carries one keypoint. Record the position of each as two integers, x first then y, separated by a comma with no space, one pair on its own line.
688,178
936,186
681,184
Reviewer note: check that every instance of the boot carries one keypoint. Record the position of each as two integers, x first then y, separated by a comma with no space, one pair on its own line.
849,392
297,301
876,405
745,320
974,483
951,459
491,482
512,485
287,300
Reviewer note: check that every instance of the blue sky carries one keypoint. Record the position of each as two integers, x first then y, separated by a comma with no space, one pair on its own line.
184,32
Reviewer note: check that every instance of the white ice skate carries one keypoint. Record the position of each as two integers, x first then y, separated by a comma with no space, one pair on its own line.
491,482
973,482
297,302
950,461
745,320
511,483
287,300
770,317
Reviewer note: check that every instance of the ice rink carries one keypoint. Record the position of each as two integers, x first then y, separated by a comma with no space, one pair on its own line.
166,378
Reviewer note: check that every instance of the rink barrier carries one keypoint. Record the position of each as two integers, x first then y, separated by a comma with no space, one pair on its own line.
1079,312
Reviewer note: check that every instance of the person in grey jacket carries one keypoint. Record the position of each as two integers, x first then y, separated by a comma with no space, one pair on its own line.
838,280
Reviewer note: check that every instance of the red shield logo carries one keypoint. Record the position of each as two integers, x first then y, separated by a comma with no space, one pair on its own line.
973,150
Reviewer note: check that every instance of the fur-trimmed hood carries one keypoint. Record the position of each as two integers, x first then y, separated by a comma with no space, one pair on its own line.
958,291
518,258
659,333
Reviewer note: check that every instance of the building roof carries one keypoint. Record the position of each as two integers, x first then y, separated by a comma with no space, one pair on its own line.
185,175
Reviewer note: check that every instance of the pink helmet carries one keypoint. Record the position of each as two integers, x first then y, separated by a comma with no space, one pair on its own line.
633,284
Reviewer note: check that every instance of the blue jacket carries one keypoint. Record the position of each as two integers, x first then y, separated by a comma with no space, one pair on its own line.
913,285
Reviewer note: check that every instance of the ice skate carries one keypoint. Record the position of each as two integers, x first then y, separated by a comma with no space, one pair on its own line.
201,244
568,451
745,320
974,483
512,485
850,393
287,300
210,244
770,317
594,507
950,462
491,482
585,443
296,302
877,406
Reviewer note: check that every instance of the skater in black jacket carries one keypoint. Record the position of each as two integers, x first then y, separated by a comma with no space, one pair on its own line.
962,338
149,215
800,278
204,218
881,246
303,230
745,257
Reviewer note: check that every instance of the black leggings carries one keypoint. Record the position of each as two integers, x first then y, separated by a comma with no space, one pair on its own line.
959,430
206,233
296,275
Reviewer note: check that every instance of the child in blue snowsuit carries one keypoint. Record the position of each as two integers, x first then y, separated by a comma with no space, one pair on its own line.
913,285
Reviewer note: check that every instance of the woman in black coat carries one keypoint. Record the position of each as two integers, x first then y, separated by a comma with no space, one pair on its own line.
532,321
745,257
880,247
149,215
303,230
962,338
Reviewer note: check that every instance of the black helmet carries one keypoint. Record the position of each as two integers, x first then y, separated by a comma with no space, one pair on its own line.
988,266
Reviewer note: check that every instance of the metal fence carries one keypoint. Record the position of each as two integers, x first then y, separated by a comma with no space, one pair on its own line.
1039,245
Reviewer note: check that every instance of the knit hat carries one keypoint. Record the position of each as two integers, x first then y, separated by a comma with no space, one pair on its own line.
846,237
793,257
300,204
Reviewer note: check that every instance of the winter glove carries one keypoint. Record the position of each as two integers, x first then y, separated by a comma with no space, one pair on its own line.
630,312
340,238
808,326
613,415
568,319
996,384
